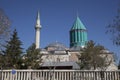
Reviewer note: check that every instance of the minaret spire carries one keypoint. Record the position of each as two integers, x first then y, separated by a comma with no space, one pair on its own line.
38,21
37,29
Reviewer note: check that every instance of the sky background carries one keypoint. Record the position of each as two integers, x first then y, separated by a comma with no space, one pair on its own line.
57,18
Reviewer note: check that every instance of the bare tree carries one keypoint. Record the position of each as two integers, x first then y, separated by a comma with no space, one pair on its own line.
4,27
114,29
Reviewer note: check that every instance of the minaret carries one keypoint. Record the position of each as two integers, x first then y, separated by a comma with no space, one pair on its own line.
78,34
37,29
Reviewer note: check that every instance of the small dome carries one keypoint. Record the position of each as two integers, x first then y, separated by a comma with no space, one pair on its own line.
56,46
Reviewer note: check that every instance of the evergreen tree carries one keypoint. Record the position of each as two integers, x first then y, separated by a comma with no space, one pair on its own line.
13,52
119,65
94,57
1,60
32,58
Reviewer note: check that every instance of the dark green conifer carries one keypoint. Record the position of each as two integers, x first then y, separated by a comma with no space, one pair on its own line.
32,57
119,65
13,52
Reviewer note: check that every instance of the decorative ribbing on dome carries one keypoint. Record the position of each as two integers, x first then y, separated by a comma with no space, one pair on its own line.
78,25
78,34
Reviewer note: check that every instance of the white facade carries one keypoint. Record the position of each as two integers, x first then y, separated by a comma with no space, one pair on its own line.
68,56
55,58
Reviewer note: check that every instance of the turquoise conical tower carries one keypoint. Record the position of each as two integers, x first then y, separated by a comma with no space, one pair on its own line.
78,34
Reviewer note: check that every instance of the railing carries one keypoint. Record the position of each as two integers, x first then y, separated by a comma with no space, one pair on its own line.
58,75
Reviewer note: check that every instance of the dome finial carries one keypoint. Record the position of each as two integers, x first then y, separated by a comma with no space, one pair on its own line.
38,15
77,14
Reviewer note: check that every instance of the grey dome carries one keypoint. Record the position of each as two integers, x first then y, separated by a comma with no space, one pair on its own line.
57,46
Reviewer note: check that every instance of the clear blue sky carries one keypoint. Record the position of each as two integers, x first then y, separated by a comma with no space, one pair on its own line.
57,17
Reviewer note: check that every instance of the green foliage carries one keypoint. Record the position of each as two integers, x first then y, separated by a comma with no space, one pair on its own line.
32,58
93,57
1,60
13,52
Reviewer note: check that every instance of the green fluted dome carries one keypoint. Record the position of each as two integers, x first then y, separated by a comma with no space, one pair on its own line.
78,34
78,24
